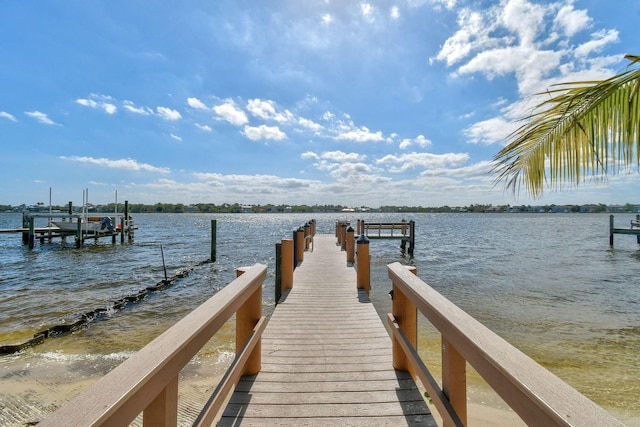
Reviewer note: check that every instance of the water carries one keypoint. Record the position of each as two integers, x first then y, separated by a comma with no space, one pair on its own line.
548,283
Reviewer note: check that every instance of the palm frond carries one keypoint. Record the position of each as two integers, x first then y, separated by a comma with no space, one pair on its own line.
583,129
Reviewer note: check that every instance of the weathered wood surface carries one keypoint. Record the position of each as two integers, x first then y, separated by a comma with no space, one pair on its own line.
326,357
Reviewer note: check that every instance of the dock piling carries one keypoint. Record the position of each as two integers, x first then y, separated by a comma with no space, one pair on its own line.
214,226
364,264
350,246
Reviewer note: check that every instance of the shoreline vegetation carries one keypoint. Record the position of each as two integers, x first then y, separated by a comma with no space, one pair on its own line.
270,208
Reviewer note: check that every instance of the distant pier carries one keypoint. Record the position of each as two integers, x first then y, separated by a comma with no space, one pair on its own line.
633,229
82,226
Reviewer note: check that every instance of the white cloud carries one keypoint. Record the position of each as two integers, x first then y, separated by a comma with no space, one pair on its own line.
256,133
490,131
101,102
362,134
255,183
266,110
598,40
342,157
229,112
143,111
531,41
205,128
309,124
404,162
176,137
6,115
572,21
168,114
524,19
395,12
40,117
419,140
126,164
473,35
196,103
365,8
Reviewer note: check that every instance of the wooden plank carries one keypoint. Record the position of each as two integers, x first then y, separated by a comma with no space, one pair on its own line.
326,357
321,410
312,397
387,421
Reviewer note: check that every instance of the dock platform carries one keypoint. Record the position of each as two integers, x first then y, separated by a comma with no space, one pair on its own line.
326,357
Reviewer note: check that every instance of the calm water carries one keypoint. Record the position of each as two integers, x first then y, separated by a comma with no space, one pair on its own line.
548,283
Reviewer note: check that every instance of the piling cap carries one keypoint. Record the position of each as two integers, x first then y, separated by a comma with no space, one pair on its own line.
350,229
362,240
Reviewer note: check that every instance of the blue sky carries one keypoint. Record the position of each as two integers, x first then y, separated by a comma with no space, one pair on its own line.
364,103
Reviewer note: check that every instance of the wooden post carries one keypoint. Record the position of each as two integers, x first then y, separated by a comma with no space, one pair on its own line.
454,379
406,315
351,243
278,282
247,317
343,236
287,264
610,230
363,270
126,216
214,226
307,233
163,410
32,233
79,241
299,245
638,235
122,229
412,237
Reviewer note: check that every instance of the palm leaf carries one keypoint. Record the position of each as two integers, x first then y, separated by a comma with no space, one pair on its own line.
583,129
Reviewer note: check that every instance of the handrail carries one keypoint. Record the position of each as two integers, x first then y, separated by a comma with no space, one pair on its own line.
538,396
148,381
391,226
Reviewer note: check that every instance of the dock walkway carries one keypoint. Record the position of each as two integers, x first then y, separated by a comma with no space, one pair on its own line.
326,357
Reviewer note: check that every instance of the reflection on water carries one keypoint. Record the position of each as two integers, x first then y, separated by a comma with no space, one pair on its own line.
548,283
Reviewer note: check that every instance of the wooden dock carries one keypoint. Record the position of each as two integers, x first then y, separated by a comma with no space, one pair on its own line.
326,357
633,229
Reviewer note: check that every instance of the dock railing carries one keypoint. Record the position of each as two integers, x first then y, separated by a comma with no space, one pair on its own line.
538,396
147,382
405,231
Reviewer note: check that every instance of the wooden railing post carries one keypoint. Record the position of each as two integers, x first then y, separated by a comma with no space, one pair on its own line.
363,269
454,379
343,236
163,410
406,316
287,264
307,234
299,245
247,317
351,243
